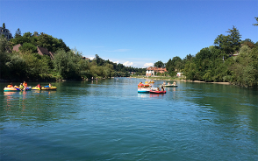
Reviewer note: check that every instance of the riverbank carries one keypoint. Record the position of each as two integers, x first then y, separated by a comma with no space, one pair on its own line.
167,78
197,81
158,78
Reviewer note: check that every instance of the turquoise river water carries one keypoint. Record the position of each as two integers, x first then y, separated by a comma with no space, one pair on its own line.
109,120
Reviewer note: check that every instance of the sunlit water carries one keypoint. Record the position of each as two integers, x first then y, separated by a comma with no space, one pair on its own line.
109,120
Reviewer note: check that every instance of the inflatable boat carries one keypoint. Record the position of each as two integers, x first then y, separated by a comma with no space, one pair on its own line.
158,92
45,88
15,89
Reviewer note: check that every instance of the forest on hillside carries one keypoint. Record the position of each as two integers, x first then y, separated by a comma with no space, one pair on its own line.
27,64
230,59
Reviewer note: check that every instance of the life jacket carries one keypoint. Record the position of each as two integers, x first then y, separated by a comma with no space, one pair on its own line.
25,84
9,86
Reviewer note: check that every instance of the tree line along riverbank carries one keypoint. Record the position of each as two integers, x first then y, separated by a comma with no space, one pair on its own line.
230,59
28,64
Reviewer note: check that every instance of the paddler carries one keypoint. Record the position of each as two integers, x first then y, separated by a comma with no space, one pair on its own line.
38,86
25,85
140,84
49,85
21,87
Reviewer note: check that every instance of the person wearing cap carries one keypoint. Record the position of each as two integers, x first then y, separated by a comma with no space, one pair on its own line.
21,87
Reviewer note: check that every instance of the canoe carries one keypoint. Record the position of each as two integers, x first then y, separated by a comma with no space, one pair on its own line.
170,85
45,88
158,92
14,89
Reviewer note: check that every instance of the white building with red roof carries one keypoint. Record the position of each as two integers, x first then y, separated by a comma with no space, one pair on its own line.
150,71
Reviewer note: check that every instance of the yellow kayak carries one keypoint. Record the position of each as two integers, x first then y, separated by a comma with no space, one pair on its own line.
45,88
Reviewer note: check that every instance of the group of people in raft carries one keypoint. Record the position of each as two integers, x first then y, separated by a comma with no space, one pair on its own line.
24,85
162,88
174,83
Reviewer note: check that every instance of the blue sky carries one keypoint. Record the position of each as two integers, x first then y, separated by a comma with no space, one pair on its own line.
135,33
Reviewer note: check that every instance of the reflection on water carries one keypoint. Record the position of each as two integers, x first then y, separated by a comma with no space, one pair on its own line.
156,95
109,120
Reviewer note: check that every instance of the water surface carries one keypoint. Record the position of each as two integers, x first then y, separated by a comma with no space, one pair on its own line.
109,120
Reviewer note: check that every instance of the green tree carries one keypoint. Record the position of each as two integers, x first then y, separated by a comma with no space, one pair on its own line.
248,42
159,64
256,24
18,32
235,39
3,25
230,43
28,47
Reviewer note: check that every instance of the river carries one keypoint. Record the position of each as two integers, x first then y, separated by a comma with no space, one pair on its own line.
109,120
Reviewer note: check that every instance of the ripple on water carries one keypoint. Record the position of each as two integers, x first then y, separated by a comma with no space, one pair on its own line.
109,120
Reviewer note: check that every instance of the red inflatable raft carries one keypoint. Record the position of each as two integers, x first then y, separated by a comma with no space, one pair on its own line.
158,92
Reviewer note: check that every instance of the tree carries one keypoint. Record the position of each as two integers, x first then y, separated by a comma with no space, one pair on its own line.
18,32
36,33
159,64
3,25
256,24
28,47
249,43
235,39
230,43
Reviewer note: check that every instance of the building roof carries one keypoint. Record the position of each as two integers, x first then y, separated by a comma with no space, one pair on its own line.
157,69
16,47
43,51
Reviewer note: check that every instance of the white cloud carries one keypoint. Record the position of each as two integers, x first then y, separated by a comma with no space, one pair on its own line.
91,58
148,64
115,61
127,63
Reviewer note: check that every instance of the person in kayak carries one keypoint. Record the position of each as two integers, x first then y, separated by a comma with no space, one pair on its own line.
49,85
25,85
140,84
174,84
164,83
10,85
38,86
21,87
162,88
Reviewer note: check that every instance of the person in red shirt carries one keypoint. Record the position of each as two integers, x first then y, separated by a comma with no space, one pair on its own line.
25,85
